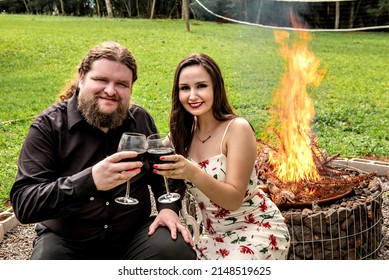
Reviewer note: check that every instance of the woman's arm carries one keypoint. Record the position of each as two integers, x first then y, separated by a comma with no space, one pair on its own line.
240,147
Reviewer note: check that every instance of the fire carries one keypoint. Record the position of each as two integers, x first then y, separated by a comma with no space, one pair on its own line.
292,111
289,160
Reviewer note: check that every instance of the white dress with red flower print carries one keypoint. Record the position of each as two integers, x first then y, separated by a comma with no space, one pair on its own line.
255,231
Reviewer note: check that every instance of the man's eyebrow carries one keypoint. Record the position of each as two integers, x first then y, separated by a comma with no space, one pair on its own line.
98,76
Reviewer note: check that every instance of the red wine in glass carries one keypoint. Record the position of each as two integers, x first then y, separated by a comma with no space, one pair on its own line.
159,145
142,155
136,142
154,154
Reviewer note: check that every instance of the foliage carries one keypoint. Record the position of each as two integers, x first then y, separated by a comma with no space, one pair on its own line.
315,14
380,10
39,53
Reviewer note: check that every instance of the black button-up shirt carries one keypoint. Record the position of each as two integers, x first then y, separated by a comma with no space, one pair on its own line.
54,184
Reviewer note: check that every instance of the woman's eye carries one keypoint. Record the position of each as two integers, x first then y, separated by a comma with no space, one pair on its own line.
202,86
184,88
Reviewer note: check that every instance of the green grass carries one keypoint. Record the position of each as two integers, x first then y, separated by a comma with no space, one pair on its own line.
38,54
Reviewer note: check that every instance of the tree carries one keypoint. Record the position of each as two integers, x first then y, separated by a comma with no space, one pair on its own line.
109,8
152,9
128,7
337,14
98,8
258,17
26,4
185,13
382,10
62,7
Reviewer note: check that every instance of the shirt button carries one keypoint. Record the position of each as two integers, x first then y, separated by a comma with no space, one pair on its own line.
107,203
91,198
105,226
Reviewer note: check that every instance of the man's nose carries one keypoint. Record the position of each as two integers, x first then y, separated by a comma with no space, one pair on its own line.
110,89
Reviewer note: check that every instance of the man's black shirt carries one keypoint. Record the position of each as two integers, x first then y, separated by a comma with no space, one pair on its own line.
54,185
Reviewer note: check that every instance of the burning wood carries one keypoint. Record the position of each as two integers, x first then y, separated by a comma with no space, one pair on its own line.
290,162
333,182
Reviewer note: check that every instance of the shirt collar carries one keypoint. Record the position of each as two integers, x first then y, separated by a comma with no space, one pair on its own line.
74,116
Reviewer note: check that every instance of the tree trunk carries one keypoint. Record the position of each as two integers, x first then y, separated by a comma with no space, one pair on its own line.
26,5
127,5
137,7
337,14
185,13
152,9
245,10
259,11
98,8
109,8
62,8
352,13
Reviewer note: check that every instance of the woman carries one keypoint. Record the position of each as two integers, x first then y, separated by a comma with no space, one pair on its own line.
215,156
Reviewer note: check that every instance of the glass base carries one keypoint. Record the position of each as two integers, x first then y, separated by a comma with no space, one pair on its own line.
126,200
169,198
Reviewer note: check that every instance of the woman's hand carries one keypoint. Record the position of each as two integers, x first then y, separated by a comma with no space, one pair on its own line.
176,167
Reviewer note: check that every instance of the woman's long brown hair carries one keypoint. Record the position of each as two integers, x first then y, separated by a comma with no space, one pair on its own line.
182,123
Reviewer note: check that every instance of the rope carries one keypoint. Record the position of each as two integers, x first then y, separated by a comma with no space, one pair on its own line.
289,28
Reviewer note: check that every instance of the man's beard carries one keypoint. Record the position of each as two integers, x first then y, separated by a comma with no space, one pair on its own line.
90,110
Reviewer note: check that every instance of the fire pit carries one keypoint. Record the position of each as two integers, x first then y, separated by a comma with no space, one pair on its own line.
336,217
347,227
332,212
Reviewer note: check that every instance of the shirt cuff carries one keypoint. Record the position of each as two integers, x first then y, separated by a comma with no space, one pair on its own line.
175,206
83,184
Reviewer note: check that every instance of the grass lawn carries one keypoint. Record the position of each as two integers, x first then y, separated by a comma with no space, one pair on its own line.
39,53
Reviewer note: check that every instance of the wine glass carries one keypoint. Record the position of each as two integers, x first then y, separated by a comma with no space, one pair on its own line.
159,144
131,141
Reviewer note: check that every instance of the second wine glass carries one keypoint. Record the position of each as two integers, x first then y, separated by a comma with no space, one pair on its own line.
159,144
131,141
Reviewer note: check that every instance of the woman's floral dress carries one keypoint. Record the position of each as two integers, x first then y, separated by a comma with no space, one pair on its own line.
255,231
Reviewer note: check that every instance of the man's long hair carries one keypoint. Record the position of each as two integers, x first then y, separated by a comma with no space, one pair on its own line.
108,50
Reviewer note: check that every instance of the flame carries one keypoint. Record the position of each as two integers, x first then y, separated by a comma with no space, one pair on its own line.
292,110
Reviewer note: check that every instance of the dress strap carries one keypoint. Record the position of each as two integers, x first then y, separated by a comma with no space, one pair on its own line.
224,134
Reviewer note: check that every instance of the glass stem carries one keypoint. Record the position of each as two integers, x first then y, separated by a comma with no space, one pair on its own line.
166,186
128,189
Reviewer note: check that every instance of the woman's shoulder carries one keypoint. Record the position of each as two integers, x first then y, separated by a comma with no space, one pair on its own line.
239,123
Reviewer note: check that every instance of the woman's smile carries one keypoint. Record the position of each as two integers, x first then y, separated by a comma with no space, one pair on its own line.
195,105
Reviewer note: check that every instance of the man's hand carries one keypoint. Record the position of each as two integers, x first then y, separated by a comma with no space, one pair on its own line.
112,171
170,219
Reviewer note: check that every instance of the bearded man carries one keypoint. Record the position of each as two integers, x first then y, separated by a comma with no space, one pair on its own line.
69,172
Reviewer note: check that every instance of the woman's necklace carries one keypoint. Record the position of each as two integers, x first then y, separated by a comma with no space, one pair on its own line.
205,140
209,137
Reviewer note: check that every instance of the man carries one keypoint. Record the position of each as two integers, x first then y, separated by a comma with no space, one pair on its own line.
69,172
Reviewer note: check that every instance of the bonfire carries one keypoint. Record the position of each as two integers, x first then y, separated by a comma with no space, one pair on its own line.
290,162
